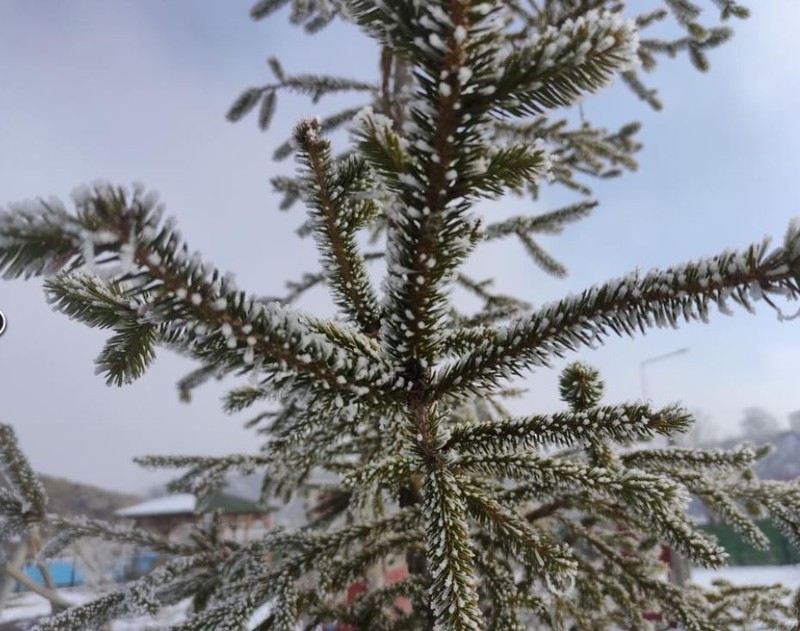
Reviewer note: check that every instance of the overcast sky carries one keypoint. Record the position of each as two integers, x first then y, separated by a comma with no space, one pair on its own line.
137,90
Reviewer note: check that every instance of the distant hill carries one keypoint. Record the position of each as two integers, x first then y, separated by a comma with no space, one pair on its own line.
72,499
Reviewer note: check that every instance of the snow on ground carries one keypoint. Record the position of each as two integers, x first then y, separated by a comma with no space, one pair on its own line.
28,605
169,615
788,575
23,606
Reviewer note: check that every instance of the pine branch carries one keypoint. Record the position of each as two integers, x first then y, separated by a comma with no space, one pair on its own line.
542,258
585,150
512,532
287,611
14,522
505,169
246,585
143,596
94,301
198,304
725,500
597,586
343,571
624,423
449,553
580,387
723,505
205,474
730,8
481,290
689,614
331,193
382,600
242,398
651,496
326,125
311,85
128,353
659,298
498,582
313,14
430,188
69,530
305,440
37,237
418,290
381,145
684,11
289,187
779,500
745,606
27,495
547,223
561,63
265,8
642,490
195,379
390,473
648,95
738,458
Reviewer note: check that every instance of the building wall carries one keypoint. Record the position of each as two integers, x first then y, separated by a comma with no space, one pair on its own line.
238,527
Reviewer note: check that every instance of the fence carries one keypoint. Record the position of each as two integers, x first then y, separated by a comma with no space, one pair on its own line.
780,551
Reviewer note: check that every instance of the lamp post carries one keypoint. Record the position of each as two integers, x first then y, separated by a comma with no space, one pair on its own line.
653,360
679,570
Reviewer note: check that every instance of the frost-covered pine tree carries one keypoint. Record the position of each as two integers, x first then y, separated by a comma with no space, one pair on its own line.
544,521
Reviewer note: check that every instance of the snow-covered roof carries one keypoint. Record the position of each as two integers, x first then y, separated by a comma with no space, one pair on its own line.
180,504
186,504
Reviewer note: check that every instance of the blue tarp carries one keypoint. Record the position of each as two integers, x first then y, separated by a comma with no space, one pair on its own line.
63,572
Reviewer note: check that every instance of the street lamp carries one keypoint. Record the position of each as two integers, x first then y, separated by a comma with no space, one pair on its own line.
653,360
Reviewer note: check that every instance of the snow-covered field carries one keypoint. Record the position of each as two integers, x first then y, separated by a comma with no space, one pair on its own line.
29,605
788,575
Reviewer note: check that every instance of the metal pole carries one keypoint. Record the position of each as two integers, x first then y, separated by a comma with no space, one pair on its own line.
679,571
653,360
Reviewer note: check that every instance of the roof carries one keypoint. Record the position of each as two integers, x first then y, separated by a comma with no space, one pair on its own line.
186,504
230,504
181,504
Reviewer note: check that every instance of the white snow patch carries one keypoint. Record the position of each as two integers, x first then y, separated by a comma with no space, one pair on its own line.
787,575
28,605
178,504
